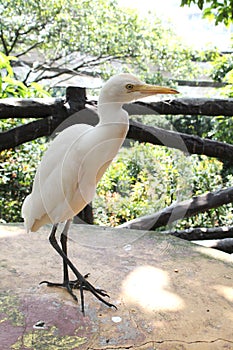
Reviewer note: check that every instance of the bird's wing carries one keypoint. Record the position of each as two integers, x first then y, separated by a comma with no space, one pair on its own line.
55,178
69,171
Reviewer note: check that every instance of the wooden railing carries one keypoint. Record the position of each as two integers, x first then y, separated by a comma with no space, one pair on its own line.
54,114
51,112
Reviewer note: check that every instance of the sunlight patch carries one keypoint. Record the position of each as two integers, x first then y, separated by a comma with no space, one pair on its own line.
148,287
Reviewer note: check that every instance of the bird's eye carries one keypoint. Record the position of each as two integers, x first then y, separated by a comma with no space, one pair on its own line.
129,87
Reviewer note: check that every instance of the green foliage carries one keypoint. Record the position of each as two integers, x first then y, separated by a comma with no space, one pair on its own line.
222,65
17,170
222,127
145,178
206,177
94,32
11,87
192,124
17,167
208,55
222,71
219,11
222,130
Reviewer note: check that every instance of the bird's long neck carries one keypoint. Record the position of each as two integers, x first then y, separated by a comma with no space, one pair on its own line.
112,113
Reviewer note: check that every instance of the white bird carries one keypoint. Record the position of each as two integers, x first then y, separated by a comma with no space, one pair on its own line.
66,179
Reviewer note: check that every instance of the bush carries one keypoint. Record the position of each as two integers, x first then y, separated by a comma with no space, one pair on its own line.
17,169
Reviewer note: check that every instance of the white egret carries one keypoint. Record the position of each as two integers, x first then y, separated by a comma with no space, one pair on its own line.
66,179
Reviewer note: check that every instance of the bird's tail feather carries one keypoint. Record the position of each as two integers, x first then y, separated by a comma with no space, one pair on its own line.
26,213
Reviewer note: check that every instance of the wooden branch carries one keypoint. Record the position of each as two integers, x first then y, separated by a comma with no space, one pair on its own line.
220,238
57,113
4,44
41,77
16,34
200,83
198,233
184,142
32,28
13,108
137,131
28,132
181,210
74,71
190,106
30,108
38,43
225,245
40,108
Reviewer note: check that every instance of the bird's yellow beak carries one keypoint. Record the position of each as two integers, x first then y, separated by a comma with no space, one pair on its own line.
147,89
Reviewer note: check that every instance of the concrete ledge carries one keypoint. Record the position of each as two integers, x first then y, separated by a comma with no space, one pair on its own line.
170,294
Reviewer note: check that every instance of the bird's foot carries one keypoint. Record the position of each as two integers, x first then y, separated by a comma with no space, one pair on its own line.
68,285
82,284
98,293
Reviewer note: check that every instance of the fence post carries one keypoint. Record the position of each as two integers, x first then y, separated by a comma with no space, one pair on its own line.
76,98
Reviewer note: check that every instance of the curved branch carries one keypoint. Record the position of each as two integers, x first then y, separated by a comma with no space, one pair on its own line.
199,233
184,142
181,210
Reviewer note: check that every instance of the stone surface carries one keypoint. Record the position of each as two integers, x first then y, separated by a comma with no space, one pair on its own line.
170,294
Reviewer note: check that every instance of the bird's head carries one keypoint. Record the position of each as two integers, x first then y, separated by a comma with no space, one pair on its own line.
126,87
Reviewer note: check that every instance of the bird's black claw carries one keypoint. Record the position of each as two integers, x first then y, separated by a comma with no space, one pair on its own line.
82,285
50,284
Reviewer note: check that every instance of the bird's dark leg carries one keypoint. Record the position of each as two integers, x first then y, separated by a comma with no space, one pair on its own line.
69,285
63,240
81,282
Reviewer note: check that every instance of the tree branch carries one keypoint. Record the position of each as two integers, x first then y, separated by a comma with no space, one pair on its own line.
190,106
28,50
39,108
28,132
225,245
4,44
200,83
196,106
15,39
220,238
184,142
30,108
178,211
32,28
43,77
55,114
199,233
47,67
